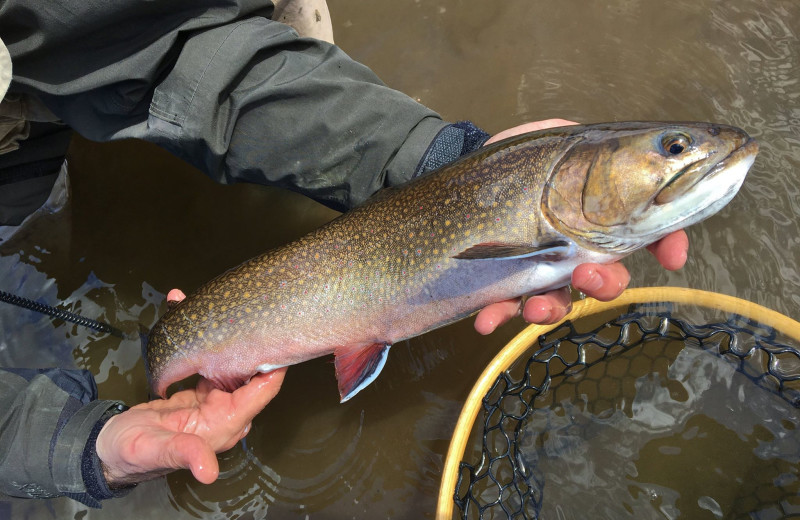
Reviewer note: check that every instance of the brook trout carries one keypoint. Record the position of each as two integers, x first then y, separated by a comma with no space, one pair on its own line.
513,218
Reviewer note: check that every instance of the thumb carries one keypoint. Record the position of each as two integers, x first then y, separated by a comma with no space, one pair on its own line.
191,452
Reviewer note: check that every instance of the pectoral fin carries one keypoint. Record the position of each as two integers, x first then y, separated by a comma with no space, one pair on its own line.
549,252
358,366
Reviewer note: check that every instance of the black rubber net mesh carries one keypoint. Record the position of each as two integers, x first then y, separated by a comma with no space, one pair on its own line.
502,483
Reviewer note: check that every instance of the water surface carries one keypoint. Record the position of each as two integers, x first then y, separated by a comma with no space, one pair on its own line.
142,222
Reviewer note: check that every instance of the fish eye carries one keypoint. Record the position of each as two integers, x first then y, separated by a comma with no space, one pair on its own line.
675,144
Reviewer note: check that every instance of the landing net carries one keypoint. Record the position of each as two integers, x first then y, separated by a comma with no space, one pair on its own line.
498,481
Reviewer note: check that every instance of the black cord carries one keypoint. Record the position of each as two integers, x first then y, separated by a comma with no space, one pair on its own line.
61,314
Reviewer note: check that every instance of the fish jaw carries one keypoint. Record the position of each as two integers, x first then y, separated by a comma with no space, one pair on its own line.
718,186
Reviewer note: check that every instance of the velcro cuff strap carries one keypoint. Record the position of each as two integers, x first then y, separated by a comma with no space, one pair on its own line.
68,452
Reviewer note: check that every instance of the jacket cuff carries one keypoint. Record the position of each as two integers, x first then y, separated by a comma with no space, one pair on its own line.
450,143
77,470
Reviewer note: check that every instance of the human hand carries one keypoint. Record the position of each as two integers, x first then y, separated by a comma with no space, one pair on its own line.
184,431
600,281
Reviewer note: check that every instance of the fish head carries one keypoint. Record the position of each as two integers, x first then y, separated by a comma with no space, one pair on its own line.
622,186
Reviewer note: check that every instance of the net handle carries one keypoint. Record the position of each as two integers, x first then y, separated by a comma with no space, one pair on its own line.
581,309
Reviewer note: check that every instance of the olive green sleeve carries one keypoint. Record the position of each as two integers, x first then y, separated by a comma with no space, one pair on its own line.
223,86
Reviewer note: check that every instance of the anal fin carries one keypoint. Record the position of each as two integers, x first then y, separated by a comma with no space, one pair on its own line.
358,366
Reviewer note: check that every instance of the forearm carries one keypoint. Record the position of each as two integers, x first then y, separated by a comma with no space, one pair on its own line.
230,91
49,421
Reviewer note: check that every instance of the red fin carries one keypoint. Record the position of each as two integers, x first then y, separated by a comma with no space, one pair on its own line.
358,366
549,252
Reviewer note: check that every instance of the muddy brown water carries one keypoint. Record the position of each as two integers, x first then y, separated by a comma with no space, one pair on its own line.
141,222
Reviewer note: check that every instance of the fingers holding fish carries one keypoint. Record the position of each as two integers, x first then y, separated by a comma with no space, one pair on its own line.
602,282
184,431
672,250
251,398
543,309
175,295
549,307
496,314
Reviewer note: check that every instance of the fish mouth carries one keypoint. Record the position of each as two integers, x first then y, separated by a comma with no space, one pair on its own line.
746,151
678,184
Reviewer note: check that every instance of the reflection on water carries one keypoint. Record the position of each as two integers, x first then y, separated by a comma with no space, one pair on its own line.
141,223
692,434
